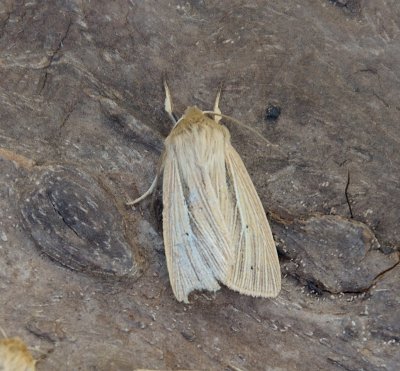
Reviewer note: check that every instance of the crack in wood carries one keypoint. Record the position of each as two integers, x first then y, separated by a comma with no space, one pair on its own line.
53,55
62,216
4,24
346,193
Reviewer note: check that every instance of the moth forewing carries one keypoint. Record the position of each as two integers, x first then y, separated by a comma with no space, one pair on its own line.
196,239
256,268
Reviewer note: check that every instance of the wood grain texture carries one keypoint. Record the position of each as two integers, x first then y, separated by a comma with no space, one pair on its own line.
81,85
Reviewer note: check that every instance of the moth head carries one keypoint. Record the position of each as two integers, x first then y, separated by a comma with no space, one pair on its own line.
194,117
192,114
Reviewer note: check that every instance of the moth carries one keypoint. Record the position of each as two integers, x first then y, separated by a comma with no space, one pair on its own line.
15,356
214,226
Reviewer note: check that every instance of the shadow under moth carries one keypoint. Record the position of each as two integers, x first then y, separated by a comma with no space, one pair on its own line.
214,225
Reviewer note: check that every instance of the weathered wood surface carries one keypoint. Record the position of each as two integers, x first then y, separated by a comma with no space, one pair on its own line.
83,279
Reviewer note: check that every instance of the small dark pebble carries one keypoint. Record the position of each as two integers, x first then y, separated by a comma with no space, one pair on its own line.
351,6
339,2
272,113
188,335
387,250
314,289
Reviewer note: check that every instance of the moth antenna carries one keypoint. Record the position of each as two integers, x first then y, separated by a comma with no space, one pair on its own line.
3,332
255,132
218,118
146,194
168,103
